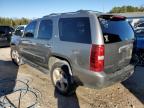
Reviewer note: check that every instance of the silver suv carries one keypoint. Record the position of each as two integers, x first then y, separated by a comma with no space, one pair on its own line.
78,48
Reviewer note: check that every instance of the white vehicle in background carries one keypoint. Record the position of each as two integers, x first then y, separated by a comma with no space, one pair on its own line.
20,29
17,33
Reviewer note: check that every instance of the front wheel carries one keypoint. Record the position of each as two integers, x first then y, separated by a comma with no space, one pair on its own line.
16,58
61,79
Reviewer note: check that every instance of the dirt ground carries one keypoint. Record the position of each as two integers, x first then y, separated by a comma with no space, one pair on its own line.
27,87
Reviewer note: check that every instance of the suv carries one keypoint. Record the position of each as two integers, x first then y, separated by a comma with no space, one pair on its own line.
139,35
78,48
5,35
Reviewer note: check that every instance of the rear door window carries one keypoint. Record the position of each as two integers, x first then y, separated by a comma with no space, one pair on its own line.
45,29
75,30
116,30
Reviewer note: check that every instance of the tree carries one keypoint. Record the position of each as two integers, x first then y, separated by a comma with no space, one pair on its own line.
124,9
13,22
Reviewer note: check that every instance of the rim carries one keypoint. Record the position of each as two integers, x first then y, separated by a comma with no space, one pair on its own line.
15,56
60,79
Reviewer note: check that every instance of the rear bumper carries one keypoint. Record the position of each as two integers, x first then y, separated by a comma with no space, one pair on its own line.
101,80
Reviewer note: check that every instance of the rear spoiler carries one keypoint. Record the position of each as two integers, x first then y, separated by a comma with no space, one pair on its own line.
112,17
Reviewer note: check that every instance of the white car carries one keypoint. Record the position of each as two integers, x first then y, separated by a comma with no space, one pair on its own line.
17,33
20,28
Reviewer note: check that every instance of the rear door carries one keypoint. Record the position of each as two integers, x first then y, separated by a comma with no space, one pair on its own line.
118,38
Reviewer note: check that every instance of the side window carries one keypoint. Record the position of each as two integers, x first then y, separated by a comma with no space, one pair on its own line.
75,30
45,29
30,29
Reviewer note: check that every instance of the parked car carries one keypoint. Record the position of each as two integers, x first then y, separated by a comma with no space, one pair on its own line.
5,35
139,49
78,48
138,26
19,30
139,34
139,43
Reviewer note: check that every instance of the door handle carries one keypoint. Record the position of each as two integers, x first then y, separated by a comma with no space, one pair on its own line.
32,43
25,41
45,45
28,42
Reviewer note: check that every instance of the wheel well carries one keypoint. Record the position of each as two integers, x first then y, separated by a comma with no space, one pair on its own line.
54,59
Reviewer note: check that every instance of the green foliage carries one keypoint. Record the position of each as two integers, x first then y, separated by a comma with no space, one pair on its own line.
124,9
13,22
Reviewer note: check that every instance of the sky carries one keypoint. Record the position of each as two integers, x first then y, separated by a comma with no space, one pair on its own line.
39,8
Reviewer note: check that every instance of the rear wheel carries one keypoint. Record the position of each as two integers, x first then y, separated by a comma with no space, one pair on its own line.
61,79
16,58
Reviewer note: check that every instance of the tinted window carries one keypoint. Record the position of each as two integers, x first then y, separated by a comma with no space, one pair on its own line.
45,29
3,29
116,31
75,30
30,29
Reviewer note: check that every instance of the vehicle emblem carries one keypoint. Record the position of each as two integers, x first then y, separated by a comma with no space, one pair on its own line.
106,38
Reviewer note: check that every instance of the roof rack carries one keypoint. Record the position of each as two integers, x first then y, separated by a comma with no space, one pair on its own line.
53,14
79,11
88,11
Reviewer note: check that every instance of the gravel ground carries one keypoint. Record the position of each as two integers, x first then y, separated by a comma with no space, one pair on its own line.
25,86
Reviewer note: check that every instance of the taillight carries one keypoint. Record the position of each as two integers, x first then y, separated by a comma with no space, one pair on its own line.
97,58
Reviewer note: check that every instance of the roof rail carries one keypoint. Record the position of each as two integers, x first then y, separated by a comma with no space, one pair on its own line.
79,11
89,11
53,14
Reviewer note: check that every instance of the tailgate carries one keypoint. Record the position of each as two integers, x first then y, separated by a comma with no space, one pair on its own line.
118,40
117,56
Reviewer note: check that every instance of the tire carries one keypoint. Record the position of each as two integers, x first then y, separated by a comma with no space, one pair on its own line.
61,79
16,58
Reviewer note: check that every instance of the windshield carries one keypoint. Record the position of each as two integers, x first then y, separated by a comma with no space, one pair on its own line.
116,30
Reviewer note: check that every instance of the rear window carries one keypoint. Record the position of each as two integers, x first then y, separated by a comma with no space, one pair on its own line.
116,30
75,30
